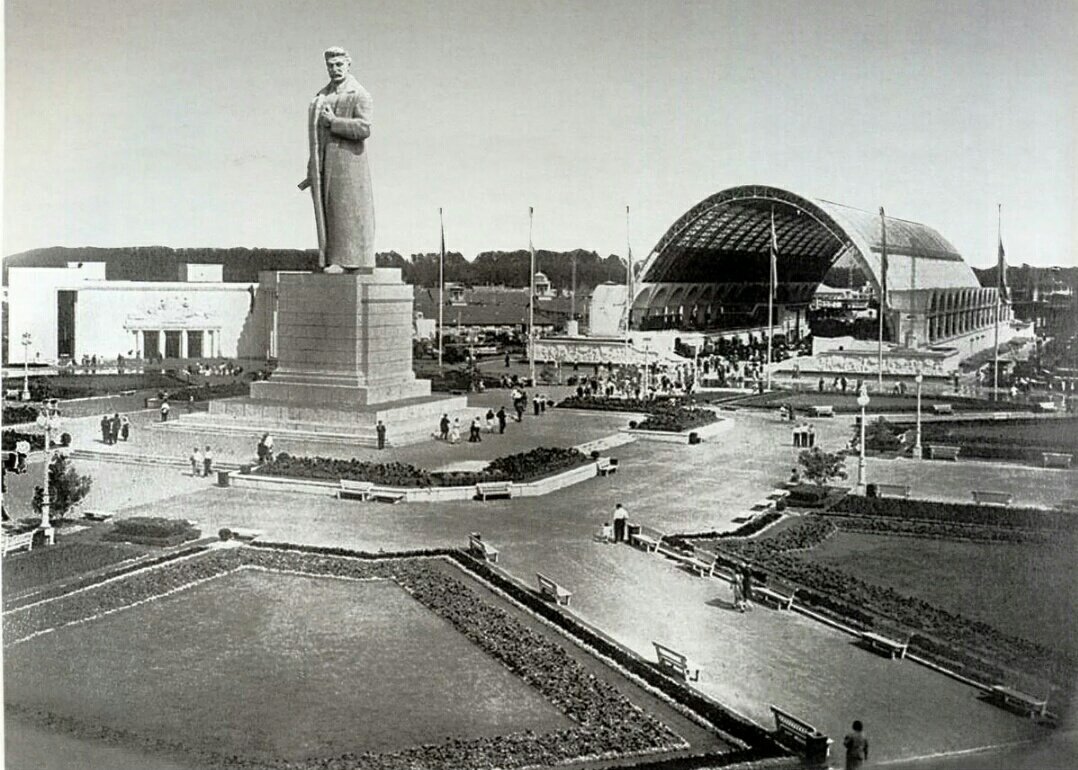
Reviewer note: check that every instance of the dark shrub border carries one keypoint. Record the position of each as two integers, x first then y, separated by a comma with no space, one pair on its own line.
524,467
606,721
955,513
9,438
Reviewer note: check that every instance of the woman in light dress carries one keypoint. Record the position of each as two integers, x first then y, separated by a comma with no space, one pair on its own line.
454,431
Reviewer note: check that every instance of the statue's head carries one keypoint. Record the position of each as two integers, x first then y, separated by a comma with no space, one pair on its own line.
337,63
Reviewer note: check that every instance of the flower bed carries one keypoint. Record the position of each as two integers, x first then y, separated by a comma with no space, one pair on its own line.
677,419
604,404
936,633
150,530
15,415
527,466
941,530
681,542
955,513
606,723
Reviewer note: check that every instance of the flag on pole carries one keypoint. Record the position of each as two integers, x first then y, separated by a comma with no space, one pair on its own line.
774,256
1001,268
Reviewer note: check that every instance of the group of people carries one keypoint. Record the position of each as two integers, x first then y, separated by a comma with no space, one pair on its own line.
742,584
804,436
449,430
202,461
115,428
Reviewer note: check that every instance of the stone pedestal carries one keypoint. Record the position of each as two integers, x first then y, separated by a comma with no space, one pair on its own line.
343,340
344,352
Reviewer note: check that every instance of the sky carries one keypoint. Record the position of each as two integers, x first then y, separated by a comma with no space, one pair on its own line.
183,122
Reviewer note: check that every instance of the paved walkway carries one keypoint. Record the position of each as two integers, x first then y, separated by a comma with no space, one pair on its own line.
749,661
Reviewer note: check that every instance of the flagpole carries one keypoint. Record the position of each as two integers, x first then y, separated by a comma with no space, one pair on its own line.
883,299
531,300
628,281
999,300
441,286
772,248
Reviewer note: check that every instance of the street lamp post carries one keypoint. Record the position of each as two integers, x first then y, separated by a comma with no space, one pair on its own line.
49,420
862,401
918,451
26,341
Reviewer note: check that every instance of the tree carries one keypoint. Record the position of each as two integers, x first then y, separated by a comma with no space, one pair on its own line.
67,488
820,467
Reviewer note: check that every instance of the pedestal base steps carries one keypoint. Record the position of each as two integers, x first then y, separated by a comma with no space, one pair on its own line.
408,421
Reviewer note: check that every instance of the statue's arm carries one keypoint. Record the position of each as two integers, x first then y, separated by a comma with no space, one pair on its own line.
357,127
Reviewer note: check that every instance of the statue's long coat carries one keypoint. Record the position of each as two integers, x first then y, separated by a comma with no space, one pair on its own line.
340,177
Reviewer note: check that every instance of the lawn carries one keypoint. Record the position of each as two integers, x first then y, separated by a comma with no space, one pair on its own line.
847,402
277,666
68,558
1025,590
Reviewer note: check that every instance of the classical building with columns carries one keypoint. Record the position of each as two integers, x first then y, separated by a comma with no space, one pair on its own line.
74,311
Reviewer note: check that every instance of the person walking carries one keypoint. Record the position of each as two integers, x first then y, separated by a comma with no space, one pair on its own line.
454,431
165,409
507,359
856,747
265,448
114,428
196,462
535,404
381,430
125,427
490,420
621,519
474,433
443,427
737,585
502,419
746,590
105,429
207,461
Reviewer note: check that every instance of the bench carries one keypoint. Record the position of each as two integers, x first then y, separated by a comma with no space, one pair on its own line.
778,595
1046,406
893,490
607,465
385,495
650,538
991,498
675,663
943,408
485,489
1057,459
943,452
884,645
481,548
244,533
360,489
1024,703
822,410
97,515
807,738
548,589
17,542
703,563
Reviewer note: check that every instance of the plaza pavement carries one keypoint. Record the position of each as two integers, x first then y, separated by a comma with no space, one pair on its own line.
748,661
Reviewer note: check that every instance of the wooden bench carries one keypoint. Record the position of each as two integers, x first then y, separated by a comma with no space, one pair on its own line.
991,498
822,410
777,594
1046,406
703,563
485,489
386,495
943,452
360,489
607,465
244,533
650,538
1024,703
18,542
550,590
943,408
481,548
97,515
884,645
1057,459
807,738
893,490
675,663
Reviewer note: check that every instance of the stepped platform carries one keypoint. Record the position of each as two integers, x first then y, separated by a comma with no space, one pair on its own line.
408,421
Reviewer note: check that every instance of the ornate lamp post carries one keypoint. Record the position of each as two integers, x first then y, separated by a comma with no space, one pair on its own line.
26,342
918,451
862,401
49,420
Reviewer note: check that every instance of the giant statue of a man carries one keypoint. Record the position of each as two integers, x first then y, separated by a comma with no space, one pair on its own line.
338,125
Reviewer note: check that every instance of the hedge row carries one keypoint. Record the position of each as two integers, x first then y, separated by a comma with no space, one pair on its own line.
604,404
526,466
956,513
606,723
23,413
983,649
152,530
939,530
677,419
